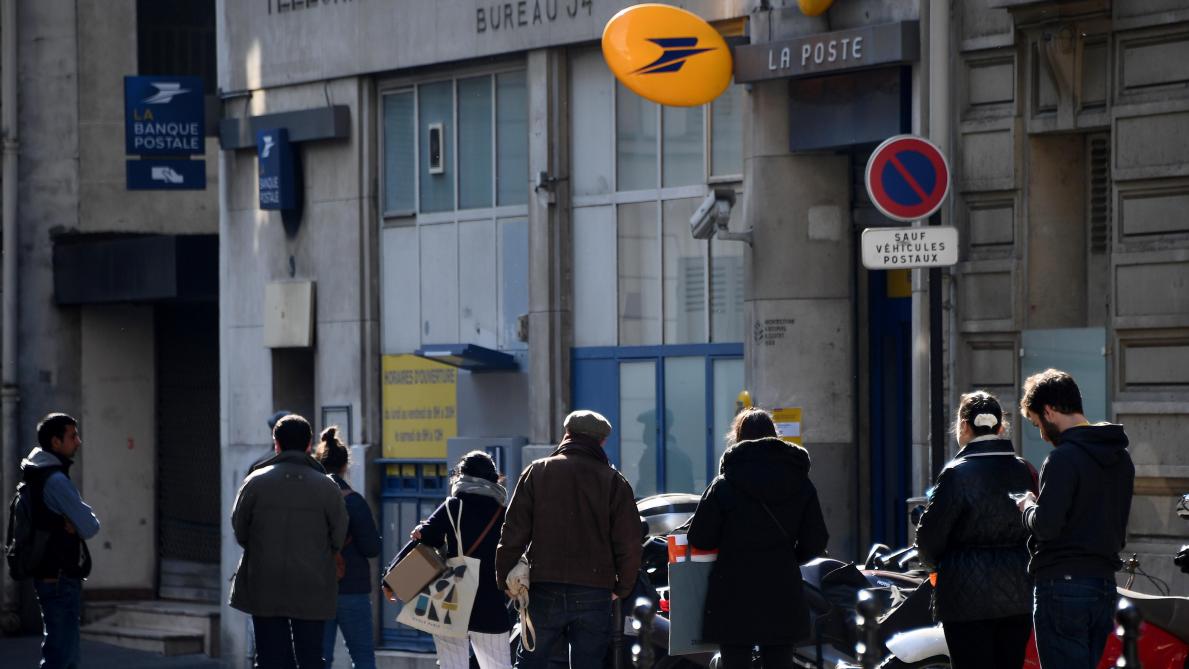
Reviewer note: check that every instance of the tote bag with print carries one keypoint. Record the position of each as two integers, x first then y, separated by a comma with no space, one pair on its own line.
443,607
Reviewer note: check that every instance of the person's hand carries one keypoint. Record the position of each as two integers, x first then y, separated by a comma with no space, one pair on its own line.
70,527
509,594
1026,501
415,535
614,596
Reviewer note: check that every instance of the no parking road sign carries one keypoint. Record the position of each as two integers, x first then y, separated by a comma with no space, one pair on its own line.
907,178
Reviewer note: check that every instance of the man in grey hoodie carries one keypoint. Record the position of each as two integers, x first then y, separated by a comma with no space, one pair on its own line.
60,511
1078,523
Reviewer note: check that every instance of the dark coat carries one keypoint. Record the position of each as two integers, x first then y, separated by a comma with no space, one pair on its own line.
580,518
489,614
1079,523
971,533
363,542
290,519
755,595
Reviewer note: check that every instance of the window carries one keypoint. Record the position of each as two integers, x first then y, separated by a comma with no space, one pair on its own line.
456,145
671,407
639,170
454,243
177,38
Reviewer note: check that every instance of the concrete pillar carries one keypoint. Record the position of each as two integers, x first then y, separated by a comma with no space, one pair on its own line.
550,325
799,350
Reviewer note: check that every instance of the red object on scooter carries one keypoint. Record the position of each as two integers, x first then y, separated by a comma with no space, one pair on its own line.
1157,650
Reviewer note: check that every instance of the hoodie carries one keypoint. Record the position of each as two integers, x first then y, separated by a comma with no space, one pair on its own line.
1079,522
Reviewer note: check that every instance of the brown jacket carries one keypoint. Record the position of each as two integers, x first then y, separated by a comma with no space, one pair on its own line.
577,517
290,518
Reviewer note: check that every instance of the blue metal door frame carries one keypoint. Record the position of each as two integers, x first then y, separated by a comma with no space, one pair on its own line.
890,355
595,385
412,488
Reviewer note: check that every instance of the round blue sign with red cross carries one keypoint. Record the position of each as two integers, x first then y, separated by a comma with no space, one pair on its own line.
907,178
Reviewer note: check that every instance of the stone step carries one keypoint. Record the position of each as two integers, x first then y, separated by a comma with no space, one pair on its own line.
165,642
175,616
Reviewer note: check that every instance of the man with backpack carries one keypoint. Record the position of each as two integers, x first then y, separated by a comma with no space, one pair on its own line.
48,525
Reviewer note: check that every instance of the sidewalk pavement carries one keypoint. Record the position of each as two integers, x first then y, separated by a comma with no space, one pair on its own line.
25,653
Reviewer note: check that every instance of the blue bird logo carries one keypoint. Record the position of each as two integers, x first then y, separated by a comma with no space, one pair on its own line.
677,50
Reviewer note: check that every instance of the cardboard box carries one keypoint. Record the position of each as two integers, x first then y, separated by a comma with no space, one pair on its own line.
415,571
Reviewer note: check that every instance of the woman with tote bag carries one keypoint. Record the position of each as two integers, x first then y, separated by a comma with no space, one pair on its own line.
763,516
476,509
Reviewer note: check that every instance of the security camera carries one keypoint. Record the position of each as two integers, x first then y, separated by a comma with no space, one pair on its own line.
713,214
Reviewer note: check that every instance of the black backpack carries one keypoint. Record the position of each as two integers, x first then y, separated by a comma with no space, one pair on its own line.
25,545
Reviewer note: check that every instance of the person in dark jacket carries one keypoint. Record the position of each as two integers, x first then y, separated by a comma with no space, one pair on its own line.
576,516
290,519
478,498
59,510
1078,523
971,535
763,516
354,614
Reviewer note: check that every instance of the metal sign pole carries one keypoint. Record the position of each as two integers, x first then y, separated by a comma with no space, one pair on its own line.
936,373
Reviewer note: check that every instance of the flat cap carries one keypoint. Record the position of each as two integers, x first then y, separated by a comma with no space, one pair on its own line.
589,423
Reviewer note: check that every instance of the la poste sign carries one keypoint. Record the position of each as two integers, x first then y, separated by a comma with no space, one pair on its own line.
667,55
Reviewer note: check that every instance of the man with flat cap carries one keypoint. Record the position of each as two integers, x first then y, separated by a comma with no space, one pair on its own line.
576,516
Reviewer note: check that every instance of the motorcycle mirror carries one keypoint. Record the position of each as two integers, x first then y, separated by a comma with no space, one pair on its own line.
1183,506
873,556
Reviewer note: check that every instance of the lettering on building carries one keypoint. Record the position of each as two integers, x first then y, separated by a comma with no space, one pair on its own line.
839,51
492,17
283,6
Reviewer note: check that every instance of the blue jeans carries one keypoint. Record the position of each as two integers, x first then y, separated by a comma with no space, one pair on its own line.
354,617
61,604
579,614
1072,617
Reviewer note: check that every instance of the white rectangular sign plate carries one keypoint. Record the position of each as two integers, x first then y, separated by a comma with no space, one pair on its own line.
905,248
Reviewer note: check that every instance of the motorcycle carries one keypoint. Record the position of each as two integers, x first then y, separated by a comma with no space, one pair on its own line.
1163,641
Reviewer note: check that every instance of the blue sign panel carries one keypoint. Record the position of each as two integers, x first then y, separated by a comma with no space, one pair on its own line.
163,116
278,174
166,174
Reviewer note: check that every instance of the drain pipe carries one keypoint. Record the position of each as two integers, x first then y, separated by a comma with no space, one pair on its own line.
10,388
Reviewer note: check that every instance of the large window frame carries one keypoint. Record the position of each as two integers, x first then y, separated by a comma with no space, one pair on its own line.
597,388
658,196
412,85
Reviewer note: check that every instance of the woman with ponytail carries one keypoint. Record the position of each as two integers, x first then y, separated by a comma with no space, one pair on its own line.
972,537
354,614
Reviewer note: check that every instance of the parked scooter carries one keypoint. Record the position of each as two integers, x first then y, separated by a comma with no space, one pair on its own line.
1163,641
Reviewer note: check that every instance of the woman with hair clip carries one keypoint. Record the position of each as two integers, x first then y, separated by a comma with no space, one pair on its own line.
475,485
763,516
972,536
354,614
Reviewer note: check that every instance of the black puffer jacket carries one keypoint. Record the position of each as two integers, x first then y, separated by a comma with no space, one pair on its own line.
754,594
971,533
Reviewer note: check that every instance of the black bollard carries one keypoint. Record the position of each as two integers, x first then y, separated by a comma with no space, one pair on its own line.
867,619
1129,619
643,612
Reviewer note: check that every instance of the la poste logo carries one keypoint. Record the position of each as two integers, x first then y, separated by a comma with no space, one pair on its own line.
667,54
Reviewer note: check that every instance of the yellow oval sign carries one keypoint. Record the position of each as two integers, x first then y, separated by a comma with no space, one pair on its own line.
667,54
814,7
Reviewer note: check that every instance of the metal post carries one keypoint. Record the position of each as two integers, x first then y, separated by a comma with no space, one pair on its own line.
867,620
1129,619
644,611
10,391
937,431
